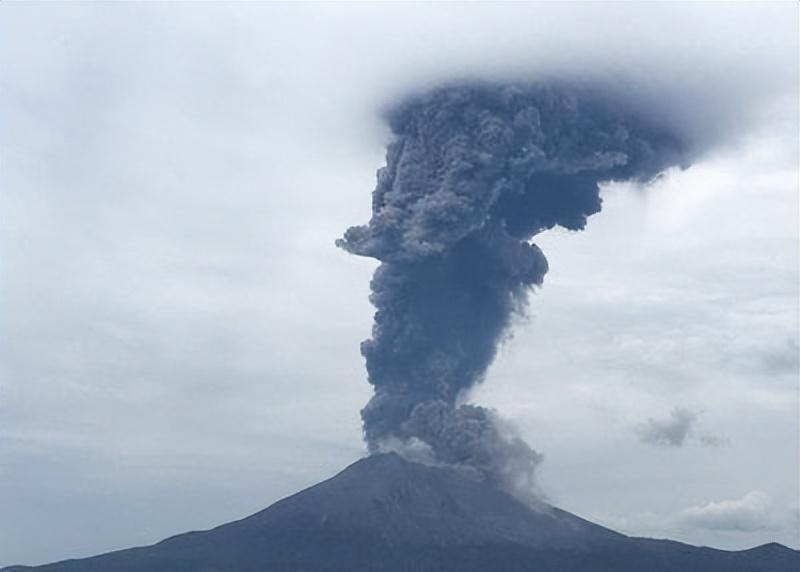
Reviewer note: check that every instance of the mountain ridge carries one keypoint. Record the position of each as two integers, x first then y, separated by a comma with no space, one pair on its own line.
386,514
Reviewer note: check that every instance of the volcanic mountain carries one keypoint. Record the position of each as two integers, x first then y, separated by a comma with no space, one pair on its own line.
386,514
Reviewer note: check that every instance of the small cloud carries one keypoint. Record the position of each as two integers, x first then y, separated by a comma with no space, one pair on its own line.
671,431
713,440
751,512
783,359
676,429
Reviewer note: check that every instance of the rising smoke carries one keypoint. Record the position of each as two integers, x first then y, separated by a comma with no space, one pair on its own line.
472,173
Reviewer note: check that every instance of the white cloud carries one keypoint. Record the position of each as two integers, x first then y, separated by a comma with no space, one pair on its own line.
753,519
753,511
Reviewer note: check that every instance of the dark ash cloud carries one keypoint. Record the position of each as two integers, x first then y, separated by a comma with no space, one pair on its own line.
473,173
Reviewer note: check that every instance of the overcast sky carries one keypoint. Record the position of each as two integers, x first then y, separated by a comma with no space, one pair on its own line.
179,343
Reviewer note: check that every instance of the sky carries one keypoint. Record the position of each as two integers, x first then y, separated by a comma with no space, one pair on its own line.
179,341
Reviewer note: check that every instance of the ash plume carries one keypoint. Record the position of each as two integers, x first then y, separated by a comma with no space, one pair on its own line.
472,173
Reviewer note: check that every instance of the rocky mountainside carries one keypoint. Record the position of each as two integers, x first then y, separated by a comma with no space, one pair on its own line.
386,514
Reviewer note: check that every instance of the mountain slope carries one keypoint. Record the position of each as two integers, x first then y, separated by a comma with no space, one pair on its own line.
386,514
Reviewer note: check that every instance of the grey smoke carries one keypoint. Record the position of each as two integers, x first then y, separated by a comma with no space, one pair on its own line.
472,173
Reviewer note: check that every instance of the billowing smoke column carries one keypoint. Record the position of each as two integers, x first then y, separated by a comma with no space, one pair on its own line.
473,172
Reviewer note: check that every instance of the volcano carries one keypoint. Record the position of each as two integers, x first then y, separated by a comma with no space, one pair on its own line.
386,514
